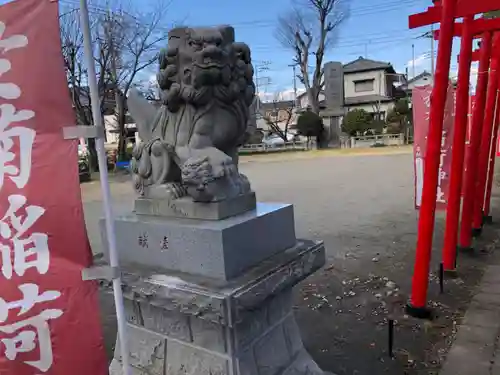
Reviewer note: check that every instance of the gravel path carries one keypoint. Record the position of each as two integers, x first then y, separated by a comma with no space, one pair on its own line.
362,207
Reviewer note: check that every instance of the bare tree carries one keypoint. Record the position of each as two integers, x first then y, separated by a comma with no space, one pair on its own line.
376,106
309,29
72,50
76,73
76,69
133,42
149,89
280,118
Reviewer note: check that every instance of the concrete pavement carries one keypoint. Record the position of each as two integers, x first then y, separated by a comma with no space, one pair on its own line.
475,350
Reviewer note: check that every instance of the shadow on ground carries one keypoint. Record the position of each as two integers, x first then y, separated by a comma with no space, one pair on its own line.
343,316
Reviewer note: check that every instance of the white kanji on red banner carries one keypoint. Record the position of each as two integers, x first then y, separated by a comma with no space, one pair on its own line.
19,252
9,90
19,173
31,330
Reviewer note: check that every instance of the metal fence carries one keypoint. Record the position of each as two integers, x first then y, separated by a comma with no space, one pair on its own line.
374,141
266,148
343,142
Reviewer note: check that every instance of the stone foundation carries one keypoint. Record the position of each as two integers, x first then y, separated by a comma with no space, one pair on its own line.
184,326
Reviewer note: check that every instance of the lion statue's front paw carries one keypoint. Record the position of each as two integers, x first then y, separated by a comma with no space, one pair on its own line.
197,175
175,190
213,179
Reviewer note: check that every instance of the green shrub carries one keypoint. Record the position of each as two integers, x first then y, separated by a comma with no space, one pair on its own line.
310,124
356,121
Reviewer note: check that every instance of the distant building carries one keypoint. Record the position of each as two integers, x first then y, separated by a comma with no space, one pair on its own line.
279,113
109,116
370,85
373,86
423,79
303,101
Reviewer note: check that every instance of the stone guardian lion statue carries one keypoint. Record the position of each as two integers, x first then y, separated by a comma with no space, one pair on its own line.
189,146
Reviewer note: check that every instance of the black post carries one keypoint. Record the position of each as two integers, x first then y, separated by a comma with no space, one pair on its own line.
391,337
441,278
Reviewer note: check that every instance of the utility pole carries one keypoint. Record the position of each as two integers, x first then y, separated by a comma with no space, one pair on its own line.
260,67
382,77
413,61
294,66
429,34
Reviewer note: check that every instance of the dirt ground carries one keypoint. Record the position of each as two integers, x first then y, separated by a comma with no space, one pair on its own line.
362,207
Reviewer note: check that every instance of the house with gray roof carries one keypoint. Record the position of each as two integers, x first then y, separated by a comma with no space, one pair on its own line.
371,85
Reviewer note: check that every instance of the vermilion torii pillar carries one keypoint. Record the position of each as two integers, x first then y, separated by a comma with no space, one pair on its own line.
458,148
467,30
478,118
445,13
484,149
491,169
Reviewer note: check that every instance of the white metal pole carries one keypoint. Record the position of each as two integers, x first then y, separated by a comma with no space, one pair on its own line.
432,53
106,193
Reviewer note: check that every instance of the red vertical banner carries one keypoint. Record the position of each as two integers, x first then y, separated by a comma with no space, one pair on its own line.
49,317
421,99
421,102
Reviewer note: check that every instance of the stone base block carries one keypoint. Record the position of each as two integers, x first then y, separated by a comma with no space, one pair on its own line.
244,327
186,208
220,249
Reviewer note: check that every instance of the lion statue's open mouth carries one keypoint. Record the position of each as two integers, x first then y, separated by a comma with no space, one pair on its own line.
210,65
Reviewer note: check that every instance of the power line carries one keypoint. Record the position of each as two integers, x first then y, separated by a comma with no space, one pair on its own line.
348,41
358,11
378,41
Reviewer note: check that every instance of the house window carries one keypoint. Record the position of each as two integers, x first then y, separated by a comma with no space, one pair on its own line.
364,85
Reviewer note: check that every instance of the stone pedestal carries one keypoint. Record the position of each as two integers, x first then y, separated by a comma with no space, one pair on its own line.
220,249
185,324
186,208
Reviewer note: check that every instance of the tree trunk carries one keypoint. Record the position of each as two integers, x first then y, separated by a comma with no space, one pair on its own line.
122,132
319,141
313,100
93,161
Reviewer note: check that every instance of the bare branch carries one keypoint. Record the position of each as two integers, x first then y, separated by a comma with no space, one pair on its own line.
130,44
310,28
280,125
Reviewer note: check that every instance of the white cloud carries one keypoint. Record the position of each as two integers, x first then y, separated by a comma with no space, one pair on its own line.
420,60
473,75
287,94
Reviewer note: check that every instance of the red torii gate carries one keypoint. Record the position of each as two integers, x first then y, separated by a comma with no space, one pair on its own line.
444,12
476,28
468,30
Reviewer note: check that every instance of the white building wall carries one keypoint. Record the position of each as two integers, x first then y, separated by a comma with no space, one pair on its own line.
379,86
303,100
